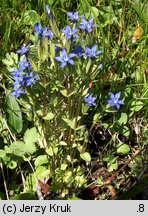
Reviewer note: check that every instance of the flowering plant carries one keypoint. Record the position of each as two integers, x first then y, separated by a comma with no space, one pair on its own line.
51,79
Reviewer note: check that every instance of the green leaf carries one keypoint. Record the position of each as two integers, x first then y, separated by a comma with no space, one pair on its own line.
64,92
49,151
136,106
41,159
62,143
63,166
21,149
31,136
122,149
96,118
112,167
69,122
49,116
85,156
125,131
123,119
43,49
33,63
88,65
12,164
8,63
96,11
42,172
13,114
18,148
31,17
2,153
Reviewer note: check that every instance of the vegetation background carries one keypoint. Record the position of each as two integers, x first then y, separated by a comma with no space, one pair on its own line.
122,34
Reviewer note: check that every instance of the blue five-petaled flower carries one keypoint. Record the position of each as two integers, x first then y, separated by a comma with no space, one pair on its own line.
18,91
24,49
31,79
92,53
114,100
65,58
90,100
42,32
73,16
70,32
87,25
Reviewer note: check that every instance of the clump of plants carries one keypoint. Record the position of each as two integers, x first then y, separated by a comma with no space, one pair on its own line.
53,106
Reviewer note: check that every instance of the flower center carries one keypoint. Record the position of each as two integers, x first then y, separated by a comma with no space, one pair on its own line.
65,58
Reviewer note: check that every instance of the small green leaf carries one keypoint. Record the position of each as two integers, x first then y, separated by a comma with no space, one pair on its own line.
136,106
123,119
63,166
41,159
62,143
49,151
43,49
31,136
13,114
12,164
112,167
122,149
125,131
2,153
42,172
85,156
21,149
70,123
49,116
33,63
96,118
100,181
64,92
18,148
31,17
8,63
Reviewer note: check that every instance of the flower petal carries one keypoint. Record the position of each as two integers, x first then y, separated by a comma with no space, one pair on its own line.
71,61
117,96
121,102
112,96
58,58
63,64
111,102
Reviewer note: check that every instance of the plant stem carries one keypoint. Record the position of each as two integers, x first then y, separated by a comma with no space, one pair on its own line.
4,180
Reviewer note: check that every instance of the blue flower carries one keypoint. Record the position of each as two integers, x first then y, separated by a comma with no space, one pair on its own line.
114,100
58,49
42,32
19,80
87,25
17,72
90,100
73,16
69,32
48,10
65,58
79,51
24,49
38,29
30,79
25,64
92,53
18,91
47,33
49,13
